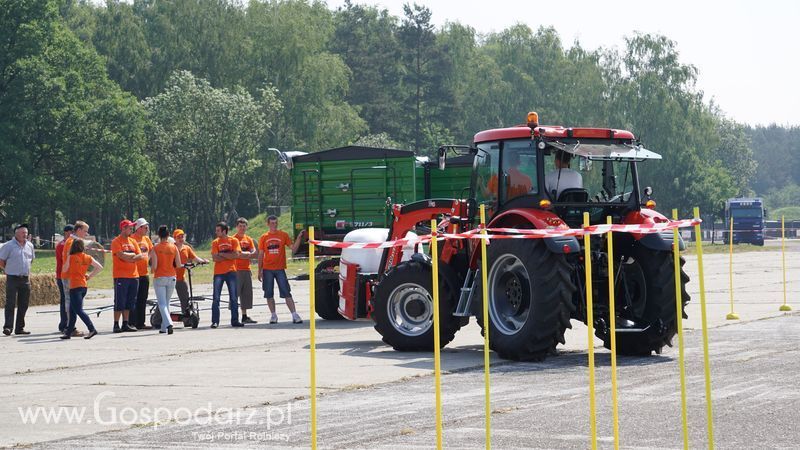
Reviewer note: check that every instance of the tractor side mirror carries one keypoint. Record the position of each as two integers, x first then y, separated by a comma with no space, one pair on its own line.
442,157
648,191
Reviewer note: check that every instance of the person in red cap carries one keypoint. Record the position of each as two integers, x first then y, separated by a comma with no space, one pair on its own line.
126,254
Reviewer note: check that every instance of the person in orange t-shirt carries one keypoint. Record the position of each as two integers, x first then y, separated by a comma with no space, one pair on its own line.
165,258
225,250
272,267
141,235
126,254
76,268
187,256
244,277
80,231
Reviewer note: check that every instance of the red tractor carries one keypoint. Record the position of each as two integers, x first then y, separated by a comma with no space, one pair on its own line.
525,178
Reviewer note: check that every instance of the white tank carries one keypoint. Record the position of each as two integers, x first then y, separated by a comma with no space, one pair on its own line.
369,259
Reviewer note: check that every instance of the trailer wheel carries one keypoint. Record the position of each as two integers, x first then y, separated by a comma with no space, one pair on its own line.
530,299
646,295
403,312
326,291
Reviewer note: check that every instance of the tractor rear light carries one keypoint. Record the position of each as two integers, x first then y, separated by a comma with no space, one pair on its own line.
650,204
544,203
566,248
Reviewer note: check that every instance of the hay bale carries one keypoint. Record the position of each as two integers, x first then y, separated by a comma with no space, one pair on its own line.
44,290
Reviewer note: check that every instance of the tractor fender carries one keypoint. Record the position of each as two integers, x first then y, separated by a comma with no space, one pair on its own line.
662,240
540,219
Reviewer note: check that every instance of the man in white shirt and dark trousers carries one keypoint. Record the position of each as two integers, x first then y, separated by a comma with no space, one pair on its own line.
16,257
562,178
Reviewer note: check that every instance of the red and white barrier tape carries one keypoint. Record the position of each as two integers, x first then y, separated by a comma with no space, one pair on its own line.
515,233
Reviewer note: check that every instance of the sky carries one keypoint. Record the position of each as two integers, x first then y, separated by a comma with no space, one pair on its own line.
747,53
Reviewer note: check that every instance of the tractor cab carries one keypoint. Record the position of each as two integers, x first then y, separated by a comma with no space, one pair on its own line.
568,171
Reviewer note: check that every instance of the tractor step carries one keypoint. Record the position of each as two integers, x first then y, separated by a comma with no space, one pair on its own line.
465,297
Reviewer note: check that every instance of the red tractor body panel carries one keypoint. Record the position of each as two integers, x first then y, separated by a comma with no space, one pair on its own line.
551,132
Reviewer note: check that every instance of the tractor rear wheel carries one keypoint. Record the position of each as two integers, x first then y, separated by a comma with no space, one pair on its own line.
403,304
326,291
645,295
530,299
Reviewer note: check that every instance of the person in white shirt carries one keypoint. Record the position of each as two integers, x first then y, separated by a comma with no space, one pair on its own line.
562,177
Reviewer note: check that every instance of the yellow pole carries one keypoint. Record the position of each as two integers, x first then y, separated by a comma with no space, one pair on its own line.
486,366
612,319
698,237
676,253
784,306
731,315
312,320
590,327
437,367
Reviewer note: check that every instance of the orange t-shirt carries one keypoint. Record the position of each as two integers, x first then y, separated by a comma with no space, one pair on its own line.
274,247
518,183
65,255
78,266
247,244
187,254
165,255
122,268
225,245
145,245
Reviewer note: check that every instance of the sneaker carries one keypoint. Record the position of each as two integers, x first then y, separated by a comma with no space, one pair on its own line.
214,325
90,335
273,319
169,329
246,319
7,331
22,333
65,336
128,328
296,318
76,333
145,327
237,324
117,329
162,331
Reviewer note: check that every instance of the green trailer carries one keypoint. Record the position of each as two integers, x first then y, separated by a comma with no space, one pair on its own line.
347,188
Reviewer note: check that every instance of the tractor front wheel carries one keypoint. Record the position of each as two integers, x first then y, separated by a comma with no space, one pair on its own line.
645,295
403,312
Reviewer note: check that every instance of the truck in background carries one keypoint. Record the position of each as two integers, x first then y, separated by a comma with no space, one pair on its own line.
749,220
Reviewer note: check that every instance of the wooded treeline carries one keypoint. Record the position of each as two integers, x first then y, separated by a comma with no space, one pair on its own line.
166,109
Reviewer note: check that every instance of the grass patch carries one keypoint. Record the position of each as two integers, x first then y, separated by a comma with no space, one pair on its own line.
788,212
711,249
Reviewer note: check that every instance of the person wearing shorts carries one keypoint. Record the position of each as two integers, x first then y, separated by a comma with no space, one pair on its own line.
244,277
126,254
224,251
272,267
187,256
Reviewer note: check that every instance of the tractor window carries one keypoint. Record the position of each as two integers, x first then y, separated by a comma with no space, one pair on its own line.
519,168
486,174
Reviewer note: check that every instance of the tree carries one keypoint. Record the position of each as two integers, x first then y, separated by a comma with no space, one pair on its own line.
206,141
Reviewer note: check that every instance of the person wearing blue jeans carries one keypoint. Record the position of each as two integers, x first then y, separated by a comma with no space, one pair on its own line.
164,257
76,306
225,250
233,298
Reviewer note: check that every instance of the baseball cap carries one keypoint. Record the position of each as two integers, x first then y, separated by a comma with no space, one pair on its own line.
177,233
140,222
125,224
22,225
69,227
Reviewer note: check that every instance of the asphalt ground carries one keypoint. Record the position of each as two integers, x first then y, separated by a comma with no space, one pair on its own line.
249,387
